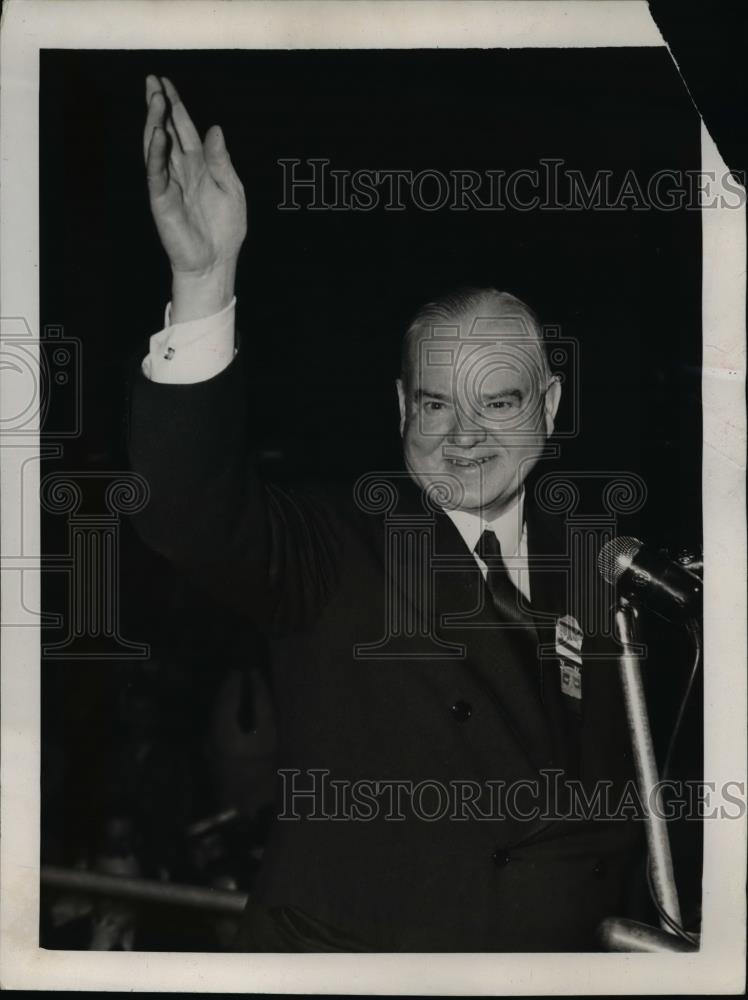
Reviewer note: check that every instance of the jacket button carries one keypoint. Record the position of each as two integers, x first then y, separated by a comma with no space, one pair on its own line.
500,858
461,710
598,868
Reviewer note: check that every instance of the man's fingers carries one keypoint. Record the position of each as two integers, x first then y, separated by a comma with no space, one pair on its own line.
155,116
218,160
188,135
176,146
159,114
155,164
171,91
152,86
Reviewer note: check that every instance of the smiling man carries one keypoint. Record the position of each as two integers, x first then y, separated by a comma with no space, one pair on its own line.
477,404
477,398
424,726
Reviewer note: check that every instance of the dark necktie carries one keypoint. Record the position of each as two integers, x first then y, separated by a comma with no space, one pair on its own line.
507,600
505,596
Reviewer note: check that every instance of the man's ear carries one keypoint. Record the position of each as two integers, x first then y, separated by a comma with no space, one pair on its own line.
402,403
552,399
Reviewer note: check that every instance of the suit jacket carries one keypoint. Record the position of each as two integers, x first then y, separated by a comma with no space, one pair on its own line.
391,666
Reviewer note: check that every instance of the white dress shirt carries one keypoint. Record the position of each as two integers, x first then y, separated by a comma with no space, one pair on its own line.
511,531
183,353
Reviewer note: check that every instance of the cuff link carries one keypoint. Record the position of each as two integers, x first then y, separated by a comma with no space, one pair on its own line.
169,354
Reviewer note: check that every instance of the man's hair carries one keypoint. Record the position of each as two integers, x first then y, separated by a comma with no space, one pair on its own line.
481,303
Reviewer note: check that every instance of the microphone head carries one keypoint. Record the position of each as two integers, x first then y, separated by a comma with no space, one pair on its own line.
616,556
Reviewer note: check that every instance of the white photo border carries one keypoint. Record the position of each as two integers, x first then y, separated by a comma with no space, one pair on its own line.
719,967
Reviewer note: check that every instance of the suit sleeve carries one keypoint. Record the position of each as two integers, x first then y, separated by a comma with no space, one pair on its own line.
270,553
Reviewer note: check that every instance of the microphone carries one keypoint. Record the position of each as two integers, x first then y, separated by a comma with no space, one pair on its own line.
652,578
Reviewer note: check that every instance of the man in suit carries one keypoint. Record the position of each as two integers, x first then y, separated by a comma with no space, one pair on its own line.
426,737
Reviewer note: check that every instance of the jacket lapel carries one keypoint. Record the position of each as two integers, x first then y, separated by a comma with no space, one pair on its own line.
465,613
463,616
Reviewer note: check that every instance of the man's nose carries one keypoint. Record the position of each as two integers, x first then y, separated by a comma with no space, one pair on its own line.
466,435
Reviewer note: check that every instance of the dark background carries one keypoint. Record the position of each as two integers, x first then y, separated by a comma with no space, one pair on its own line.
324,298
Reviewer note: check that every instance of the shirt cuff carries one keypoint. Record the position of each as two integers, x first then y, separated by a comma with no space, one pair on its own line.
194,351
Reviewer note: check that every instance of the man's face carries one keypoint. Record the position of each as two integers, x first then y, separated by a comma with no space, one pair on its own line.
476,412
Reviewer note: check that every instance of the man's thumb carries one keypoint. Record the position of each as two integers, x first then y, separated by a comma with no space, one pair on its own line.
216,155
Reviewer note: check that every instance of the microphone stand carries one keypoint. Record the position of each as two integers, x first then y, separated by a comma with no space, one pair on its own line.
628,935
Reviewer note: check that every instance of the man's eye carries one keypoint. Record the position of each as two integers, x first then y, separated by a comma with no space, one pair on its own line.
432,405
502,404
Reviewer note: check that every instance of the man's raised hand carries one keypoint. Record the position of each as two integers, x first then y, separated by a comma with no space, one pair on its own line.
197,202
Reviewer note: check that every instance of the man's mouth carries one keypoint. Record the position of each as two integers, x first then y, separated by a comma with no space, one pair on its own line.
467,462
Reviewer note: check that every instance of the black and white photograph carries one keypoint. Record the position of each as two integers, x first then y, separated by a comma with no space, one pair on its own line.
373,502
